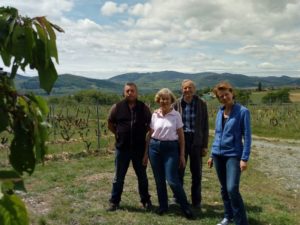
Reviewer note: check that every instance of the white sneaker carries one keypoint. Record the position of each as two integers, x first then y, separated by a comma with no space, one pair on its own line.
225,221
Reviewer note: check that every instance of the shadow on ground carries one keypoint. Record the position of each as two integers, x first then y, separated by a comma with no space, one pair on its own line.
207,211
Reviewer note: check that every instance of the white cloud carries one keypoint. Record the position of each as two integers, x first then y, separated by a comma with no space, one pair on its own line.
188,36
267,65
286,48
53,9
251,50
140,9
109,8
129,22
241,64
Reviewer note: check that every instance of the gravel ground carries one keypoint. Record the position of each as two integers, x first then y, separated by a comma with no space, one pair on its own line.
280,159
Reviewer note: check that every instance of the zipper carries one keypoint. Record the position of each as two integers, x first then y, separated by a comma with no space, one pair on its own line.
131,127
223,127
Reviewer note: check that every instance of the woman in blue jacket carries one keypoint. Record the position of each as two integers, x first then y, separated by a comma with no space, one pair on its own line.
230,152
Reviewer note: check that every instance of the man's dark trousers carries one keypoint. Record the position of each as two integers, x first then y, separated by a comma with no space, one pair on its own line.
122,161
195,157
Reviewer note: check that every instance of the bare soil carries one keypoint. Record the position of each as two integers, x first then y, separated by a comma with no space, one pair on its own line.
295,97
279,159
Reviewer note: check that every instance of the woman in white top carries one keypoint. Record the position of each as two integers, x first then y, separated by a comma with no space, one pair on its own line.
165,147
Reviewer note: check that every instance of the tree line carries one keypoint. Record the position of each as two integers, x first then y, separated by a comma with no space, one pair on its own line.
106,98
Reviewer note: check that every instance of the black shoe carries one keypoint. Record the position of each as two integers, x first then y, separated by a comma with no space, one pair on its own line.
197,205
188,213
160,211
147,205
112,207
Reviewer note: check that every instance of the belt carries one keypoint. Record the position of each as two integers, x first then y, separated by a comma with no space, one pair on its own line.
164,140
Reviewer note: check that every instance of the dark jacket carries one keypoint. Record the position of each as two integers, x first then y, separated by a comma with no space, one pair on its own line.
131,125
201,123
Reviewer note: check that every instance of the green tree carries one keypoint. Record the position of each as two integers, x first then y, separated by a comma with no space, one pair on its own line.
23,42
259,86
280,96
96,97
243,96
203,91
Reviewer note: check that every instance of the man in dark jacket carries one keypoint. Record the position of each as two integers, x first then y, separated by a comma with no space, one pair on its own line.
195,119
129,121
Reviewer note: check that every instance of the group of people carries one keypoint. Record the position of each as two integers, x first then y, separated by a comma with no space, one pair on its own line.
175,133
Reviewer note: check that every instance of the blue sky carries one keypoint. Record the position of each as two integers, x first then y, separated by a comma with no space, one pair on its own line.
107,38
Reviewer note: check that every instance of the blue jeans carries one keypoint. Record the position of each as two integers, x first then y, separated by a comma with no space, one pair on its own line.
229,173
164,159
122,161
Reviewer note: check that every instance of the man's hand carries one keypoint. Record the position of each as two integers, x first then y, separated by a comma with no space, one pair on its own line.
210,163
145,160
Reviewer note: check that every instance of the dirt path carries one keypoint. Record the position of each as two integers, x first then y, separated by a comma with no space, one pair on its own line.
280,159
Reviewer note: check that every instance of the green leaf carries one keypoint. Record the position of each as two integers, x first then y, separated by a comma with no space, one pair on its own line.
14,69
42,44
8,17
3,30
6,57
51,41
4,118
4,11
29,37
23,104
13,211
47,77
6,187
19,42
41,127
41,136
14,177
22,156
40,102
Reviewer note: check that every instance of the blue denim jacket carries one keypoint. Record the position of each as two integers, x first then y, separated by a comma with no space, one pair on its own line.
235,139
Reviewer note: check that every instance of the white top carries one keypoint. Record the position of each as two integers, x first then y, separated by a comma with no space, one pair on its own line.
165,126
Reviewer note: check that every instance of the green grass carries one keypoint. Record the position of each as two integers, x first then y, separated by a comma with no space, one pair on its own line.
256,96
76,191
74,187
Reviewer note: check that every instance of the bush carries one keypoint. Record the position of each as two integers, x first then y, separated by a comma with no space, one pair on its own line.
280,96
243,96
87,97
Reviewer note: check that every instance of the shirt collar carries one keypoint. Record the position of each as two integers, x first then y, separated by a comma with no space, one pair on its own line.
171,113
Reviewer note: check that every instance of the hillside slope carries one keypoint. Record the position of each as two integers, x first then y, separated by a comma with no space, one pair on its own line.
150,82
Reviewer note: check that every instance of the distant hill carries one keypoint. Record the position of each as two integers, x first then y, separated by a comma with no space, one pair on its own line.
173,80
150,82
67,84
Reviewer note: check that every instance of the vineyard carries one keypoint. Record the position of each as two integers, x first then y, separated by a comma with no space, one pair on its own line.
81,148
83,128
280,120
70,150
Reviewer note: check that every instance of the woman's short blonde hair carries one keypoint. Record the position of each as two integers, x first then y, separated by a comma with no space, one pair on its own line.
162,92
223,86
